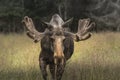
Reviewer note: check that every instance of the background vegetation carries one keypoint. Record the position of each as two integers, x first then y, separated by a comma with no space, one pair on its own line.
105,13
97,58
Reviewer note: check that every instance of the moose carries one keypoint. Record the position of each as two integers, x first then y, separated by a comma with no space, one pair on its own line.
57,44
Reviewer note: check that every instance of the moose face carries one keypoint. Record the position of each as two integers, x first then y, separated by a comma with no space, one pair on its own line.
55,27
58,48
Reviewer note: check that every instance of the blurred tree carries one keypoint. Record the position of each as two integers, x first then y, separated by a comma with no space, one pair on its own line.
105,13
11,12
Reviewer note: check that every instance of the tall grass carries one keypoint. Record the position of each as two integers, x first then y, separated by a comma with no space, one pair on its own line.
97,58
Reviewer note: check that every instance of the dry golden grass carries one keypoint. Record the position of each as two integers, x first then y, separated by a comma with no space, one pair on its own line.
97,58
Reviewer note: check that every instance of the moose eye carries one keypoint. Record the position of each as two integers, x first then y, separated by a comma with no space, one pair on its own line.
52,38
50,27
63,37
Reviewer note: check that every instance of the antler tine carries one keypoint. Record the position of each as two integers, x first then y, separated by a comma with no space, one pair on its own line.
83,26
84,22
29,25
32,32
82,34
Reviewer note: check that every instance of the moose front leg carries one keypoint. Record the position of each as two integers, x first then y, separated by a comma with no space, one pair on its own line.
58,74
52,70
43,66
60,70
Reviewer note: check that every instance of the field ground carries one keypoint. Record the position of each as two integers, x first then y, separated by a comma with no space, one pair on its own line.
97,58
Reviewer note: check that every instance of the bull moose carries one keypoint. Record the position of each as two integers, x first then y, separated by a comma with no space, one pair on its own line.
57,44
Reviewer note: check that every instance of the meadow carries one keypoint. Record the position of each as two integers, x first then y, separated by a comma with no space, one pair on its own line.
97,58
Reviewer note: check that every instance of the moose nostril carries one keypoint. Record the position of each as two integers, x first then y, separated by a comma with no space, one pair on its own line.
58,56
58,60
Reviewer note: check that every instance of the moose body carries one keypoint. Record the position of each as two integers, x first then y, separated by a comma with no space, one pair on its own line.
47,56
57,44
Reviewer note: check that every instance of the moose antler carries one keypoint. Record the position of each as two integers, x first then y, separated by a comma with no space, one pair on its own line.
82,34
83,26
32,32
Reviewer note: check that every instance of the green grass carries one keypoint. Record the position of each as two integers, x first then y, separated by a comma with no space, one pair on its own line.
97,58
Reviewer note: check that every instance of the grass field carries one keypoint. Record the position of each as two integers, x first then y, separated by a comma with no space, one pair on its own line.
97,58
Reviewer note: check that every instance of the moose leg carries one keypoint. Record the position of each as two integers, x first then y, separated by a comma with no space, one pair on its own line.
60,70
43,66
52,70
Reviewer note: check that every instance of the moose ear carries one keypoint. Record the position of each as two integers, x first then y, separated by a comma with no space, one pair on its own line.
66,23
47,24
